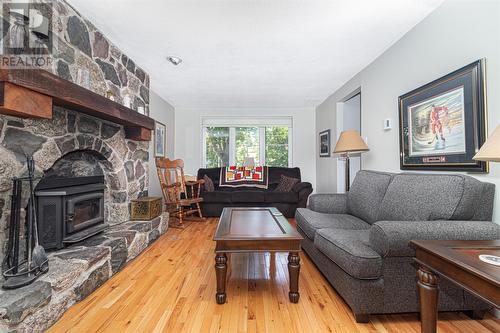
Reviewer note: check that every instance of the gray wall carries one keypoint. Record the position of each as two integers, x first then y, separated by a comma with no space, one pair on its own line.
326,167
454,35
160,110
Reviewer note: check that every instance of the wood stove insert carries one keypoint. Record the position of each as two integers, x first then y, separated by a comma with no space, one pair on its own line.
69,210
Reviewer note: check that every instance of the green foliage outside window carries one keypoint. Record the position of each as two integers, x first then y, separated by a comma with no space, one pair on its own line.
217,146
247,144
277,146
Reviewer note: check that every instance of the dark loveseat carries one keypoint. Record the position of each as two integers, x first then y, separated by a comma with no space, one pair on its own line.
286,202
359,241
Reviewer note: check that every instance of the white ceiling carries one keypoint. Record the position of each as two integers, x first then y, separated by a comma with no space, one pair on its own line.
253,53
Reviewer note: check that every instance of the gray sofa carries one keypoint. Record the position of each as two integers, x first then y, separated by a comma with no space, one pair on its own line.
359,241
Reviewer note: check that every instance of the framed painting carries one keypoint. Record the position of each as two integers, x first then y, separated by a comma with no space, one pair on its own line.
324,143
160,139
443,124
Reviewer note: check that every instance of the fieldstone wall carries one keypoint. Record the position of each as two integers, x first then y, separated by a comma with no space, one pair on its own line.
124,162
80,51
81,46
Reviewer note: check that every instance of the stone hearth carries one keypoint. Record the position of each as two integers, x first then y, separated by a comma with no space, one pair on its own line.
75,272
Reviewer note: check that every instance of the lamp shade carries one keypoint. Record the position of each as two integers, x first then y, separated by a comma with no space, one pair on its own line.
249,162
490,151
350,142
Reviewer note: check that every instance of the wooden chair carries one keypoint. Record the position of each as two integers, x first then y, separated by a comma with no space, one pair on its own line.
182,197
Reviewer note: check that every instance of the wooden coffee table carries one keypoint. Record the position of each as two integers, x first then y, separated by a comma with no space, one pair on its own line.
243,230
457,261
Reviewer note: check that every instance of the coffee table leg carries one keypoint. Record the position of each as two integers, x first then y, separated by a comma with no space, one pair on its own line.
428,291
220,271
293,271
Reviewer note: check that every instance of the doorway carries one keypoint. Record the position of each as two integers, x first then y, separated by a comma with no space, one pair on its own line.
348,118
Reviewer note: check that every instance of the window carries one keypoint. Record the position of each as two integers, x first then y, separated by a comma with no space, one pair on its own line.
276,146
247,144
217,146
228,141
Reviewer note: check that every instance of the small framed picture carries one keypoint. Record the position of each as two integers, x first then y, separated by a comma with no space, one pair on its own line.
324,143
160,139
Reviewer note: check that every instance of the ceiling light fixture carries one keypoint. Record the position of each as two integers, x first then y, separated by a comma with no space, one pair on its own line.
174,60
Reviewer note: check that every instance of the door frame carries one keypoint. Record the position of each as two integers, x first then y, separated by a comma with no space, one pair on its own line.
339,116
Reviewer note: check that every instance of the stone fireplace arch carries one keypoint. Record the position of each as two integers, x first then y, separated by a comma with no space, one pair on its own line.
89,163
125,161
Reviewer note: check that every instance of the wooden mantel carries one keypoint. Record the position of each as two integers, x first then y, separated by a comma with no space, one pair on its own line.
31,93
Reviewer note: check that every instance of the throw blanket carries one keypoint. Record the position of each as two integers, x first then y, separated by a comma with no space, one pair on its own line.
234,176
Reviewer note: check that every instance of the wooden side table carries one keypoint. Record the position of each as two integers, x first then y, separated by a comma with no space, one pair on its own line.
457,261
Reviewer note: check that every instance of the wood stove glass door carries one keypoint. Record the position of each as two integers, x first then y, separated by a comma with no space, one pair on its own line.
84,211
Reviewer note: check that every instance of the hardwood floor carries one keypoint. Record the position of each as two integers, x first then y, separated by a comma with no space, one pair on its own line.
171,288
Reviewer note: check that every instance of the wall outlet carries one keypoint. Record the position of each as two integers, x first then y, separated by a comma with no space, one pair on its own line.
387,124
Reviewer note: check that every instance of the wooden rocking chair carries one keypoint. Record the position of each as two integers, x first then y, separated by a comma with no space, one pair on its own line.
182,198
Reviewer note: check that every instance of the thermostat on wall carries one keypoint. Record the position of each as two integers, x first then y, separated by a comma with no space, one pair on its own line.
387,124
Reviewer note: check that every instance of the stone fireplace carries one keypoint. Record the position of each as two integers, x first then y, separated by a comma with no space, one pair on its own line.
76,145
93,163
73,145
90,148
73,149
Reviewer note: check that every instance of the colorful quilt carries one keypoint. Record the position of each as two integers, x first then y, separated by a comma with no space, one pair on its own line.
239,176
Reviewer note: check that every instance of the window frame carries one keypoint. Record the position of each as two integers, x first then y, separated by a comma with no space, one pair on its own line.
261,123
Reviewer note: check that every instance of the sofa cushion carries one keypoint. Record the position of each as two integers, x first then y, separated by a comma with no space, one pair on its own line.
209,184
286,184
392,238
216,197
366,194
213,173
349,249
470,200
284,197
247,196
309,221
275,174
428,197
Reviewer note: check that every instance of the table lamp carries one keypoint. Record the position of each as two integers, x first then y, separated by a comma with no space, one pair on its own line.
490,151
249,162
349,143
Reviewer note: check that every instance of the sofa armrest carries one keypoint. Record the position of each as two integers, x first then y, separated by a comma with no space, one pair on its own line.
392,238
328,203
304,189
300,186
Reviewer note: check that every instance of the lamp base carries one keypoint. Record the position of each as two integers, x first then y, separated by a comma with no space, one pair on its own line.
347,174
